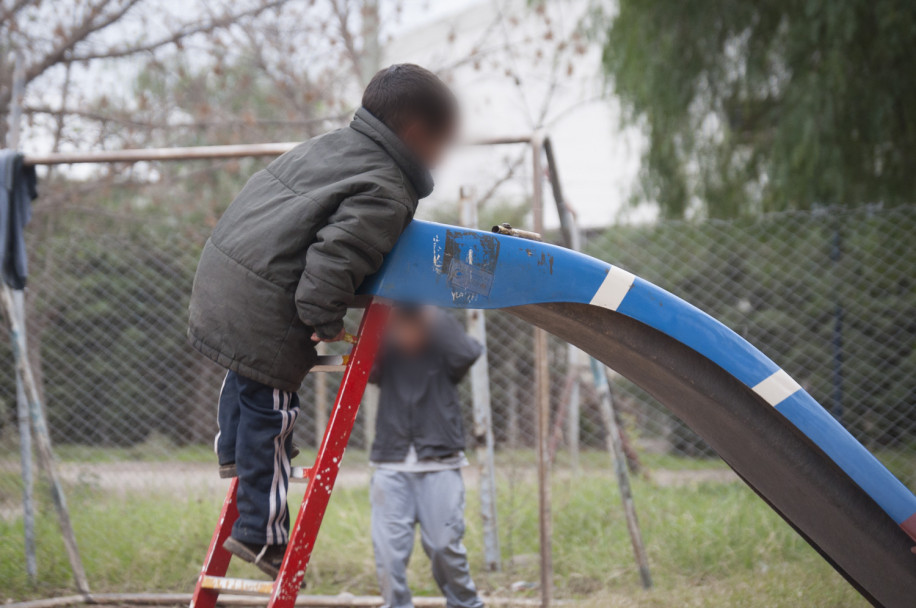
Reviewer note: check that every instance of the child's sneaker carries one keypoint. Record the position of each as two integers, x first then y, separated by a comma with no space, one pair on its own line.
266,557
228,470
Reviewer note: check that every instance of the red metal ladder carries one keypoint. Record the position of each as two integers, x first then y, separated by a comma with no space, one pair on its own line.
321,477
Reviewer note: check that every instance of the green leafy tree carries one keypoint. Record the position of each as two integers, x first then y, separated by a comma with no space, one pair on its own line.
760,106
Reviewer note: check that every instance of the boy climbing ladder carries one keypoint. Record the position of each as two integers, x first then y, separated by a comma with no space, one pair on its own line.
321,477
282,266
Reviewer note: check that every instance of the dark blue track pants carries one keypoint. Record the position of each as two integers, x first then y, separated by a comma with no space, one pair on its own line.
255,432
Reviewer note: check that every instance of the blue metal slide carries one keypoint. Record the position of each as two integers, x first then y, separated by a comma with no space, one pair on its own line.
784,445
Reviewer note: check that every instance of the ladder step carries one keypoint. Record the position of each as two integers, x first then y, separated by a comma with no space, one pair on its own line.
242,586
331,363
300,474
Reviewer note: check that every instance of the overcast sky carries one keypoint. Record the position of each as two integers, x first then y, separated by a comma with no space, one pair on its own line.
597,160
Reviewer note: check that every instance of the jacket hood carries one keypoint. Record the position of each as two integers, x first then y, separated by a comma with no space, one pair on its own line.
373,128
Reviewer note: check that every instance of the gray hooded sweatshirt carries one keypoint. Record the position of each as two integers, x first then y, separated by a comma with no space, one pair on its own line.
418,401
293,247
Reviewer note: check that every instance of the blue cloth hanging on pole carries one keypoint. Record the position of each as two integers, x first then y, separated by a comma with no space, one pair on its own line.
18,188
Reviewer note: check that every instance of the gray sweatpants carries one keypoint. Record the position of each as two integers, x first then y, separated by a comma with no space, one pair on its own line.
435,501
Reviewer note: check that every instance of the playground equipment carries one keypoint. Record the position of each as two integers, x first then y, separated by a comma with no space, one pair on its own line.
778,439
781,442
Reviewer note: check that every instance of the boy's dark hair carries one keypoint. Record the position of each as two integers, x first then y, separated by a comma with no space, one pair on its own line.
404,92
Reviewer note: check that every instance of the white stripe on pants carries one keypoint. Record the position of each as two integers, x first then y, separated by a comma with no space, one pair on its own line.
276,533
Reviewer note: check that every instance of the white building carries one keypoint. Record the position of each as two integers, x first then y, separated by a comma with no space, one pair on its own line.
516,67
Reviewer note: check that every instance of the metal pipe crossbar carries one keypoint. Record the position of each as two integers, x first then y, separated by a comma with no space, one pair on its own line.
137,155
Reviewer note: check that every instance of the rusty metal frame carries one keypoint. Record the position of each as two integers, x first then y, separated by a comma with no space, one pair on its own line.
137,155
539,142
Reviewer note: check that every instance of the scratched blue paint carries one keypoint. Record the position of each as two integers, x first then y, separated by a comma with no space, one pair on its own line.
527,272
469,263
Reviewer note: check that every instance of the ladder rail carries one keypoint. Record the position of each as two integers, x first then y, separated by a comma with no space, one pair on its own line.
330,455
217,561
320,479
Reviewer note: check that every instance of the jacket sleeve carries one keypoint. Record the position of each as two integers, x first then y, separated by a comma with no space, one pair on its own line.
350,247
459,350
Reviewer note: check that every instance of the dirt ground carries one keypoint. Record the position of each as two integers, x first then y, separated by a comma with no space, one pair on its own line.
179,477
201,479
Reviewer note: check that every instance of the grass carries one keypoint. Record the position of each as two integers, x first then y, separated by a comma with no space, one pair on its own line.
160,449
154,450
709,545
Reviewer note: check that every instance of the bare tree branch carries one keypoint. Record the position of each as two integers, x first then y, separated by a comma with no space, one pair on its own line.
571,108
76,35
204,27
199,124
342,12
477,53
17,6
282,84
508,175
97,19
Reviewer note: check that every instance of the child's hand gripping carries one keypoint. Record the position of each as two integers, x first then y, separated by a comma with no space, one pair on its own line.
343,335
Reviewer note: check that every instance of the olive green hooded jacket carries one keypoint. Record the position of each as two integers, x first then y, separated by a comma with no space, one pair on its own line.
289,253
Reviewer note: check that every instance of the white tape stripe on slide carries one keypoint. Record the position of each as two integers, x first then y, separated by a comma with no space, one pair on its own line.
777,388
613,289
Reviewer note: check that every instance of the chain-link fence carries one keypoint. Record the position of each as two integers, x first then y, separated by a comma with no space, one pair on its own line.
829,295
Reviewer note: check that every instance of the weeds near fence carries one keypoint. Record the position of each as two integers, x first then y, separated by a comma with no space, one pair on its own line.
703,537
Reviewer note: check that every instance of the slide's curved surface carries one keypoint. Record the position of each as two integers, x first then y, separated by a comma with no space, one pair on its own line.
784,445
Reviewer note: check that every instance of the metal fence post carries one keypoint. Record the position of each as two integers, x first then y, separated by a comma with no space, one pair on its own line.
25,455
43,439
22,404
573,422
28,401
542,395
483,418
615,447
573,354
603,387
